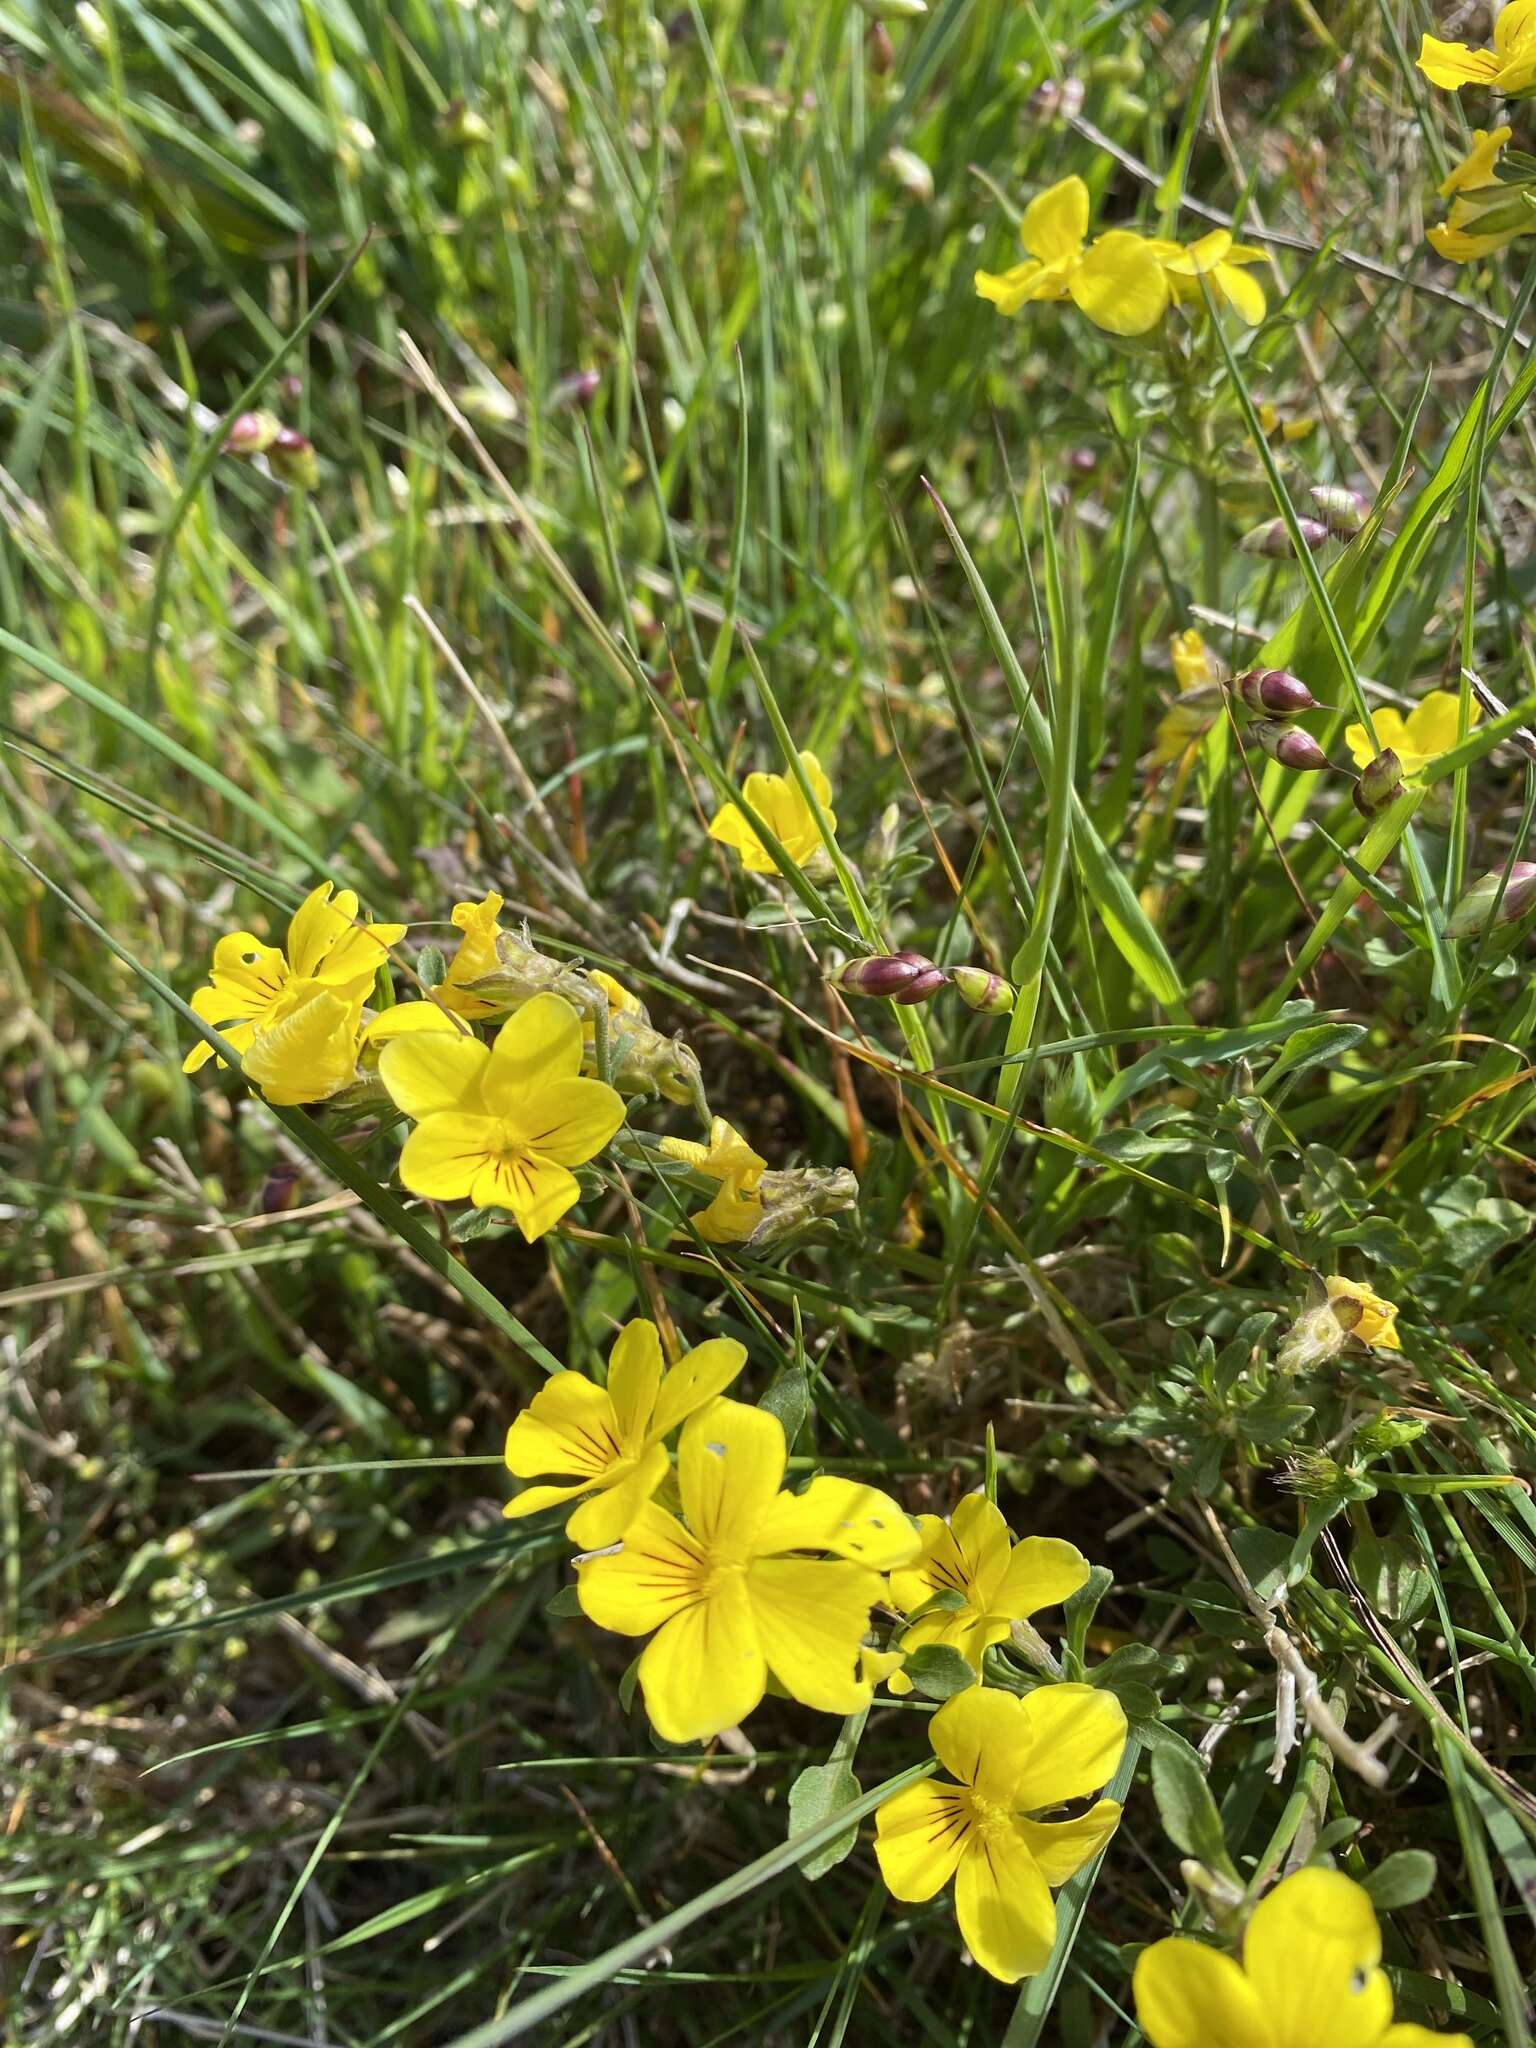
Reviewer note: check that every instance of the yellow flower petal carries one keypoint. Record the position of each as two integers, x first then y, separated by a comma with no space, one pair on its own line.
404,1018
316,926
1042,1572
307,1049
1006,1913
1478,167
607,1515
698,1376
1311,1953
1120,285
1391,731
704,1671
427,1072
567,1121
1431,727
1244,294
568,1426
1076,1737
658,1572
534,1499
1011,290
537,1191
1061,1847
1453,65
538,1044
980,1737
919,1834
729,1464
841,1515
1055,221
1514,26
1189,1996
811,1615
442,1156
634,1377
1405,2036
939,1566
243,966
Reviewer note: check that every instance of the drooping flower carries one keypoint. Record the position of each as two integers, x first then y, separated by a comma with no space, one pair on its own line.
1117,280
1012,1758
613,1437
732,1596
737,1207
248,979
1310,1977
306,1048
1362,1313
1486,211
781,804
999,1581
1509,67
1427,732
502,1124
474,956
1221,264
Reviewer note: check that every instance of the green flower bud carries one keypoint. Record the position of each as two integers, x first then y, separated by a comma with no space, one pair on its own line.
1380,784
1473,912
983,990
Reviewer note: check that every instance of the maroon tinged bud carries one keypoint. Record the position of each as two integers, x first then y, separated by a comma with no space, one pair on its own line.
1344,511
880,49
1472,913
1274,693
984,990
1380,784
1288,744
905,977
1273,539
292,459
251,433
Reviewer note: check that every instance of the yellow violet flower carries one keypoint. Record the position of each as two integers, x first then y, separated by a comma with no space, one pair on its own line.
779,801
474,956
1509,67
1363,1314
612,1437
999,1581
306,1048
1117,280
1427,731
1220,262
248,979
502,1124
1012,1757
1485,212
737,1208
731,1597
1310,1977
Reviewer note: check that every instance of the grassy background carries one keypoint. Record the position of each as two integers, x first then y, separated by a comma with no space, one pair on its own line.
293,1747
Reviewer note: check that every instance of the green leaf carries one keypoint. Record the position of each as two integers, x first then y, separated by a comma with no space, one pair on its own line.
789,1399
820,1791
563,1604
1184,1802
938,1671
1401,1880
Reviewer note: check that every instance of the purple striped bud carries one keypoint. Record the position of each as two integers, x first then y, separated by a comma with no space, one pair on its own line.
1273,538
1380,784
983,990
905,977
1344,511
1288,744
1472,913
1274,692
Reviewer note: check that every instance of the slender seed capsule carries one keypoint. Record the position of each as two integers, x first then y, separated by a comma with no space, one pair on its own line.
1273,538
1380,784
1472,913
893,975
1275,693
1288,744
1343,511
983,990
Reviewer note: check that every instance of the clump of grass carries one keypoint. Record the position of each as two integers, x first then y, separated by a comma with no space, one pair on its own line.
660,434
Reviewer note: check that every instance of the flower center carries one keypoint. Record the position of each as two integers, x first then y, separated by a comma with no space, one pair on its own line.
988,1818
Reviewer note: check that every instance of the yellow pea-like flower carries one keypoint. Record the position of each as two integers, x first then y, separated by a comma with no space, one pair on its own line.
1310,1977
306,1048
1427,732
1508,68
1363,1314
1116,280
474,956
1486,211
1012,1758
501,1124
1217,262
729,1593
780,802
999,1581
737,1207
613,1438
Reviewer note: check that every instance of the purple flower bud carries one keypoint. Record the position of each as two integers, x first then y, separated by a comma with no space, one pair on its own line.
1274,691
983,990
1273,538
892,975
1472,913
251,433
579,388
1380,784
1084,461
1344,511
1288,744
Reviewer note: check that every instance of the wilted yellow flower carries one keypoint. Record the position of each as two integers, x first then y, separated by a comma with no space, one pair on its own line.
1363,1314
1426,733
326,946
737,1207
1486,212
613,1437
1219,261
1186,722
502,1124
1117,280
1012,1757
475,956
779,801
731,1596
1310,1977
999,1581
1509,67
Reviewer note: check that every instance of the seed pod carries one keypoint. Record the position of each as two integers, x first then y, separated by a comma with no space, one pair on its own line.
292,458
1288,744
1273,539
983,990
1274,693
1344,511
1380,784
906,977
252,433
1473,912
